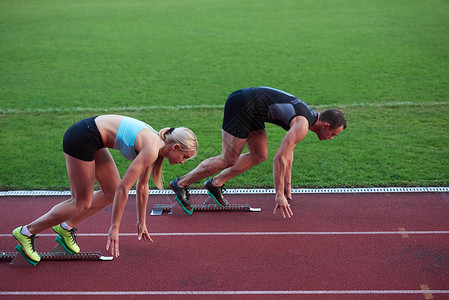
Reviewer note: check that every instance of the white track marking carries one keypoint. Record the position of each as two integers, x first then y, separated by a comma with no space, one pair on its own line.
140,293
203,106
8,235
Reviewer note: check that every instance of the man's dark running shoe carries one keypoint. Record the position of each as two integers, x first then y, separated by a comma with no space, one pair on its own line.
182,196
216,192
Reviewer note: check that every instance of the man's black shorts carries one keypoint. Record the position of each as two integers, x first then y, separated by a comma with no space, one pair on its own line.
238,120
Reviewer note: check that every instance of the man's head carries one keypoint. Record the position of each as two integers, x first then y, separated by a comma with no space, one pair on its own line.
332,122
334,117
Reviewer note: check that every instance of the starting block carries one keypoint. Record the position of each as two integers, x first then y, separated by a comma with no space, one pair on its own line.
208,206
59,253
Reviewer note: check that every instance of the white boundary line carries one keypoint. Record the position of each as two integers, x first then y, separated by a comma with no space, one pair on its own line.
110,109
254,233
135,293
202,106
258,191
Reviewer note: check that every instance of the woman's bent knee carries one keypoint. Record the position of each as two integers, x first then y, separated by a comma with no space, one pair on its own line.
82,206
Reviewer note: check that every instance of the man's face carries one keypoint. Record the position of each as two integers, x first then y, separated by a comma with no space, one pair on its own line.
328,134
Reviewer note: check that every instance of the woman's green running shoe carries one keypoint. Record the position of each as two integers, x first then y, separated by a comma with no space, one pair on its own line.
27,245
68,238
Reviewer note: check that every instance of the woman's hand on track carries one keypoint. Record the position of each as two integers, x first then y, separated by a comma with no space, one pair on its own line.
143,233
113,241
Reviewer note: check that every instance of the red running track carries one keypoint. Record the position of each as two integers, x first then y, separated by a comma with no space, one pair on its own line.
336,246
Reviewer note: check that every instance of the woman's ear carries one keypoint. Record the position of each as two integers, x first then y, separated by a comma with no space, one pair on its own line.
175,147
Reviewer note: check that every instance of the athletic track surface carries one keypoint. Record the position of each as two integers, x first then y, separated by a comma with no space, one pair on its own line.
336,246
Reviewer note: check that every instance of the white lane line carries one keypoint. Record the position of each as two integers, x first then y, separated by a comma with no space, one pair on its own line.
255,233
296,292
209,106
112,109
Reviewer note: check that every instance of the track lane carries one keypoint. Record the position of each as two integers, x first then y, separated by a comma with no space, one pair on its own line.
262,262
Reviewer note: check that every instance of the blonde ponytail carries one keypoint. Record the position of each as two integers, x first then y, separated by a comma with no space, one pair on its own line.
156,172
182,136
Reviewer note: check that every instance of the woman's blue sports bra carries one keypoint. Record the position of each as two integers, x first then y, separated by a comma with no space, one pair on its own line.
126,136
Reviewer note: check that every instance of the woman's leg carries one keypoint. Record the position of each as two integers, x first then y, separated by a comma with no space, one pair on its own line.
82,181
108,179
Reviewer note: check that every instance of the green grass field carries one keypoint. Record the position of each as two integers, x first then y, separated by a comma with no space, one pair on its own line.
173,63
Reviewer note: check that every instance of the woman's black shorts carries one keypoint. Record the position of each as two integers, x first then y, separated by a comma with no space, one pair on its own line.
238,119
82,139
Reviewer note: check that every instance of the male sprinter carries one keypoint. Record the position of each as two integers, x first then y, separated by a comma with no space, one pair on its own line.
245,114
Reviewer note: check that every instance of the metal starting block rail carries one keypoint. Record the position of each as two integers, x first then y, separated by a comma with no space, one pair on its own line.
58,254
208,206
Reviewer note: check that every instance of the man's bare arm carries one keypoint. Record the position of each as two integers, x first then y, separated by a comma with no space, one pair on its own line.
283,161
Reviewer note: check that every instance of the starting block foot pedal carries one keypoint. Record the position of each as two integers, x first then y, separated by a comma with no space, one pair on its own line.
184,209
211,201
172,209
20,260
61,248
